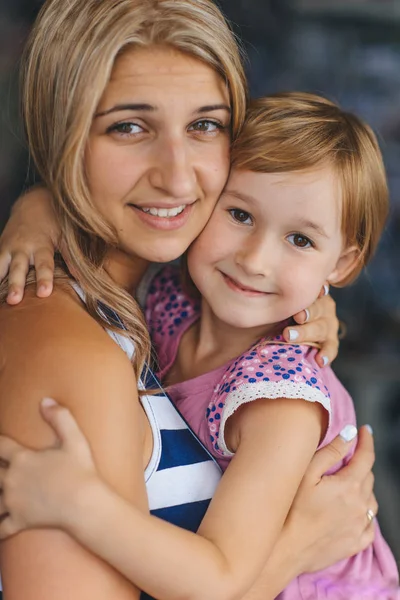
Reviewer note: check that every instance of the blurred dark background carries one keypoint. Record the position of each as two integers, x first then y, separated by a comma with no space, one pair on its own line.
348,50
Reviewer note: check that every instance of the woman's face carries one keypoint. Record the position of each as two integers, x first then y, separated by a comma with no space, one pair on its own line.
158,152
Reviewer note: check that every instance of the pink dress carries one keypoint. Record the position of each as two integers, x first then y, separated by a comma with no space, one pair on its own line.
265,371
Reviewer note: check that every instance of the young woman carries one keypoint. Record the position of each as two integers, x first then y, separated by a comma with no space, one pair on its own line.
129,108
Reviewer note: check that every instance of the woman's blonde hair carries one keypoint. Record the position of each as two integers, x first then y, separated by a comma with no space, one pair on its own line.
67,65
295,131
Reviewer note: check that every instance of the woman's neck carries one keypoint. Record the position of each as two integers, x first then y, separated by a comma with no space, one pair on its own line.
210,343
125,270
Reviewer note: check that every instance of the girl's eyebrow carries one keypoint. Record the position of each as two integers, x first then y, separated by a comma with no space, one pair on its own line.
307,224
240,195
150,108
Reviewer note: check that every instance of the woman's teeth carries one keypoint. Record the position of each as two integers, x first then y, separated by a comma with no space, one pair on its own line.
165,212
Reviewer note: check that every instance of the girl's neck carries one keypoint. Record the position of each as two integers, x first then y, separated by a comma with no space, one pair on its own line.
210,343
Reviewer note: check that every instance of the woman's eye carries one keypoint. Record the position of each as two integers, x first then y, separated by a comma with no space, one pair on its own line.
206,126
126,129
300,241
241,216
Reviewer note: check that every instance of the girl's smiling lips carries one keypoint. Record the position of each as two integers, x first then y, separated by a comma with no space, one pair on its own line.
238,287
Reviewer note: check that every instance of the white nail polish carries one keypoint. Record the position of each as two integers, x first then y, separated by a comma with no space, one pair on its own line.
326,289
348,433
325,360
369,428
293,335
307,315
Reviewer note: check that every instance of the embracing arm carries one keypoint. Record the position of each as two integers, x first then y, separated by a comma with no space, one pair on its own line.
52,347
327,521
29,238
237,533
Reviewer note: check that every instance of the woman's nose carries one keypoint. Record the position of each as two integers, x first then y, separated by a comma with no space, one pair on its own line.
174,171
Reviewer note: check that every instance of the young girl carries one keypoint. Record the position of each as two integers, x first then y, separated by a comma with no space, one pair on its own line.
305,204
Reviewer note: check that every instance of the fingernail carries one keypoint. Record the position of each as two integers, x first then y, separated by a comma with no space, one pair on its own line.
348,433
48,402
326,289
307,315
325,360
293,335
369,428
42,289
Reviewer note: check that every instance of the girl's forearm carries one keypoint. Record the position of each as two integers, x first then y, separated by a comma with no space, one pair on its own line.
165,561
283,565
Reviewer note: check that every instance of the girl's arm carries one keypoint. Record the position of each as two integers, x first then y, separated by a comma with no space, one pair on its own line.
53,347
238,531
29,238
326,522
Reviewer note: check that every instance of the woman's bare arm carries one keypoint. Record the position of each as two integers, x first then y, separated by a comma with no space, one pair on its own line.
52,347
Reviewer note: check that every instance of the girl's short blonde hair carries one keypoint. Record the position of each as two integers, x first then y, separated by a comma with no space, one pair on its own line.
67,65
295,131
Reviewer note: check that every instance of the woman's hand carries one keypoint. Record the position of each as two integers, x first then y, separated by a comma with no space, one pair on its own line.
328,520
29,239
38,488
318,324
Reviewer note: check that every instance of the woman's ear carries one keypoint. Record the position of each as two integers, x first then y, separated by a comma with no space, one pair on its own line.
346,263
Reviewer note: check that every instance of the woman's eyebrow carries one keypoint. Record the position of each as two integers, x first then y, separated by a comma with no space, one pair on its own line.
150,108
120,107
213,107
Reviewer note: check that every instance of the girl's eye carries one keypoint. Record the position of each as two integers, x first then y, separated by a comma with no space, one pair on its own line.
300,241
241,216
126,129
206,126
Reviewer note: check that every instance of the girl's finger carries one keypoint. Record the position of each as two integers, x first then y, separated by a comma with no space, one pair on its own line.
8,448
63,424
19,267
44,264
8,528
5,259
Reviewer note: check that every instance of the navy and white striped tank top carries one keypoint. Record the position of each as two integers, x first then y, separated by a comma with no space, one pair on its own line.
181,476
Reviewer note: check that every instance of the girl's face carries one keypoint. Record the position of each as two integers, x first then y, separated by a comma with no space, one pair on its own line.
271,243
158,152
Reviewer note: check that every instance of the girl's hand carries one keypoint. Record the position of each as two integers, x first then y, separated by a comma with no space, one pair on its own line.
318,324
328,518
29,239
38,488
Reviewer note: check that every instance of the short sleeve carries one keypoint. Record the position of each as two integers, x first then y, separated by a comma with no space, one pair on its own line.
266,371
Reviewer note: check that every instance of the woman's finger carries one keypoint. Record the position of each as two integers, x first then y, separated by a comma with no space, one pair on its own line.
332,454
328,352
324,307
19,267
43,261
363,459
313,331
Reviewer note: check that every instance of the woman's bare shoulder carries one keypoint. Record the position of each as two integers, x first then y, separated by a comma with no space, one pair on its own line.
54,348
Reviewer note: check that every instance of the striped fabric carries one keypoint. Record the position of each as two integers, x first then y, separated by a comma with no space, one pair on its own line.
181,476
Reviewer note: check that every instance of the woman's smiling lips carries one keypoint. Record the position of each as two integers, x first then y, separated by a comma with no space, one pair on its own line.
238,287
163,218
